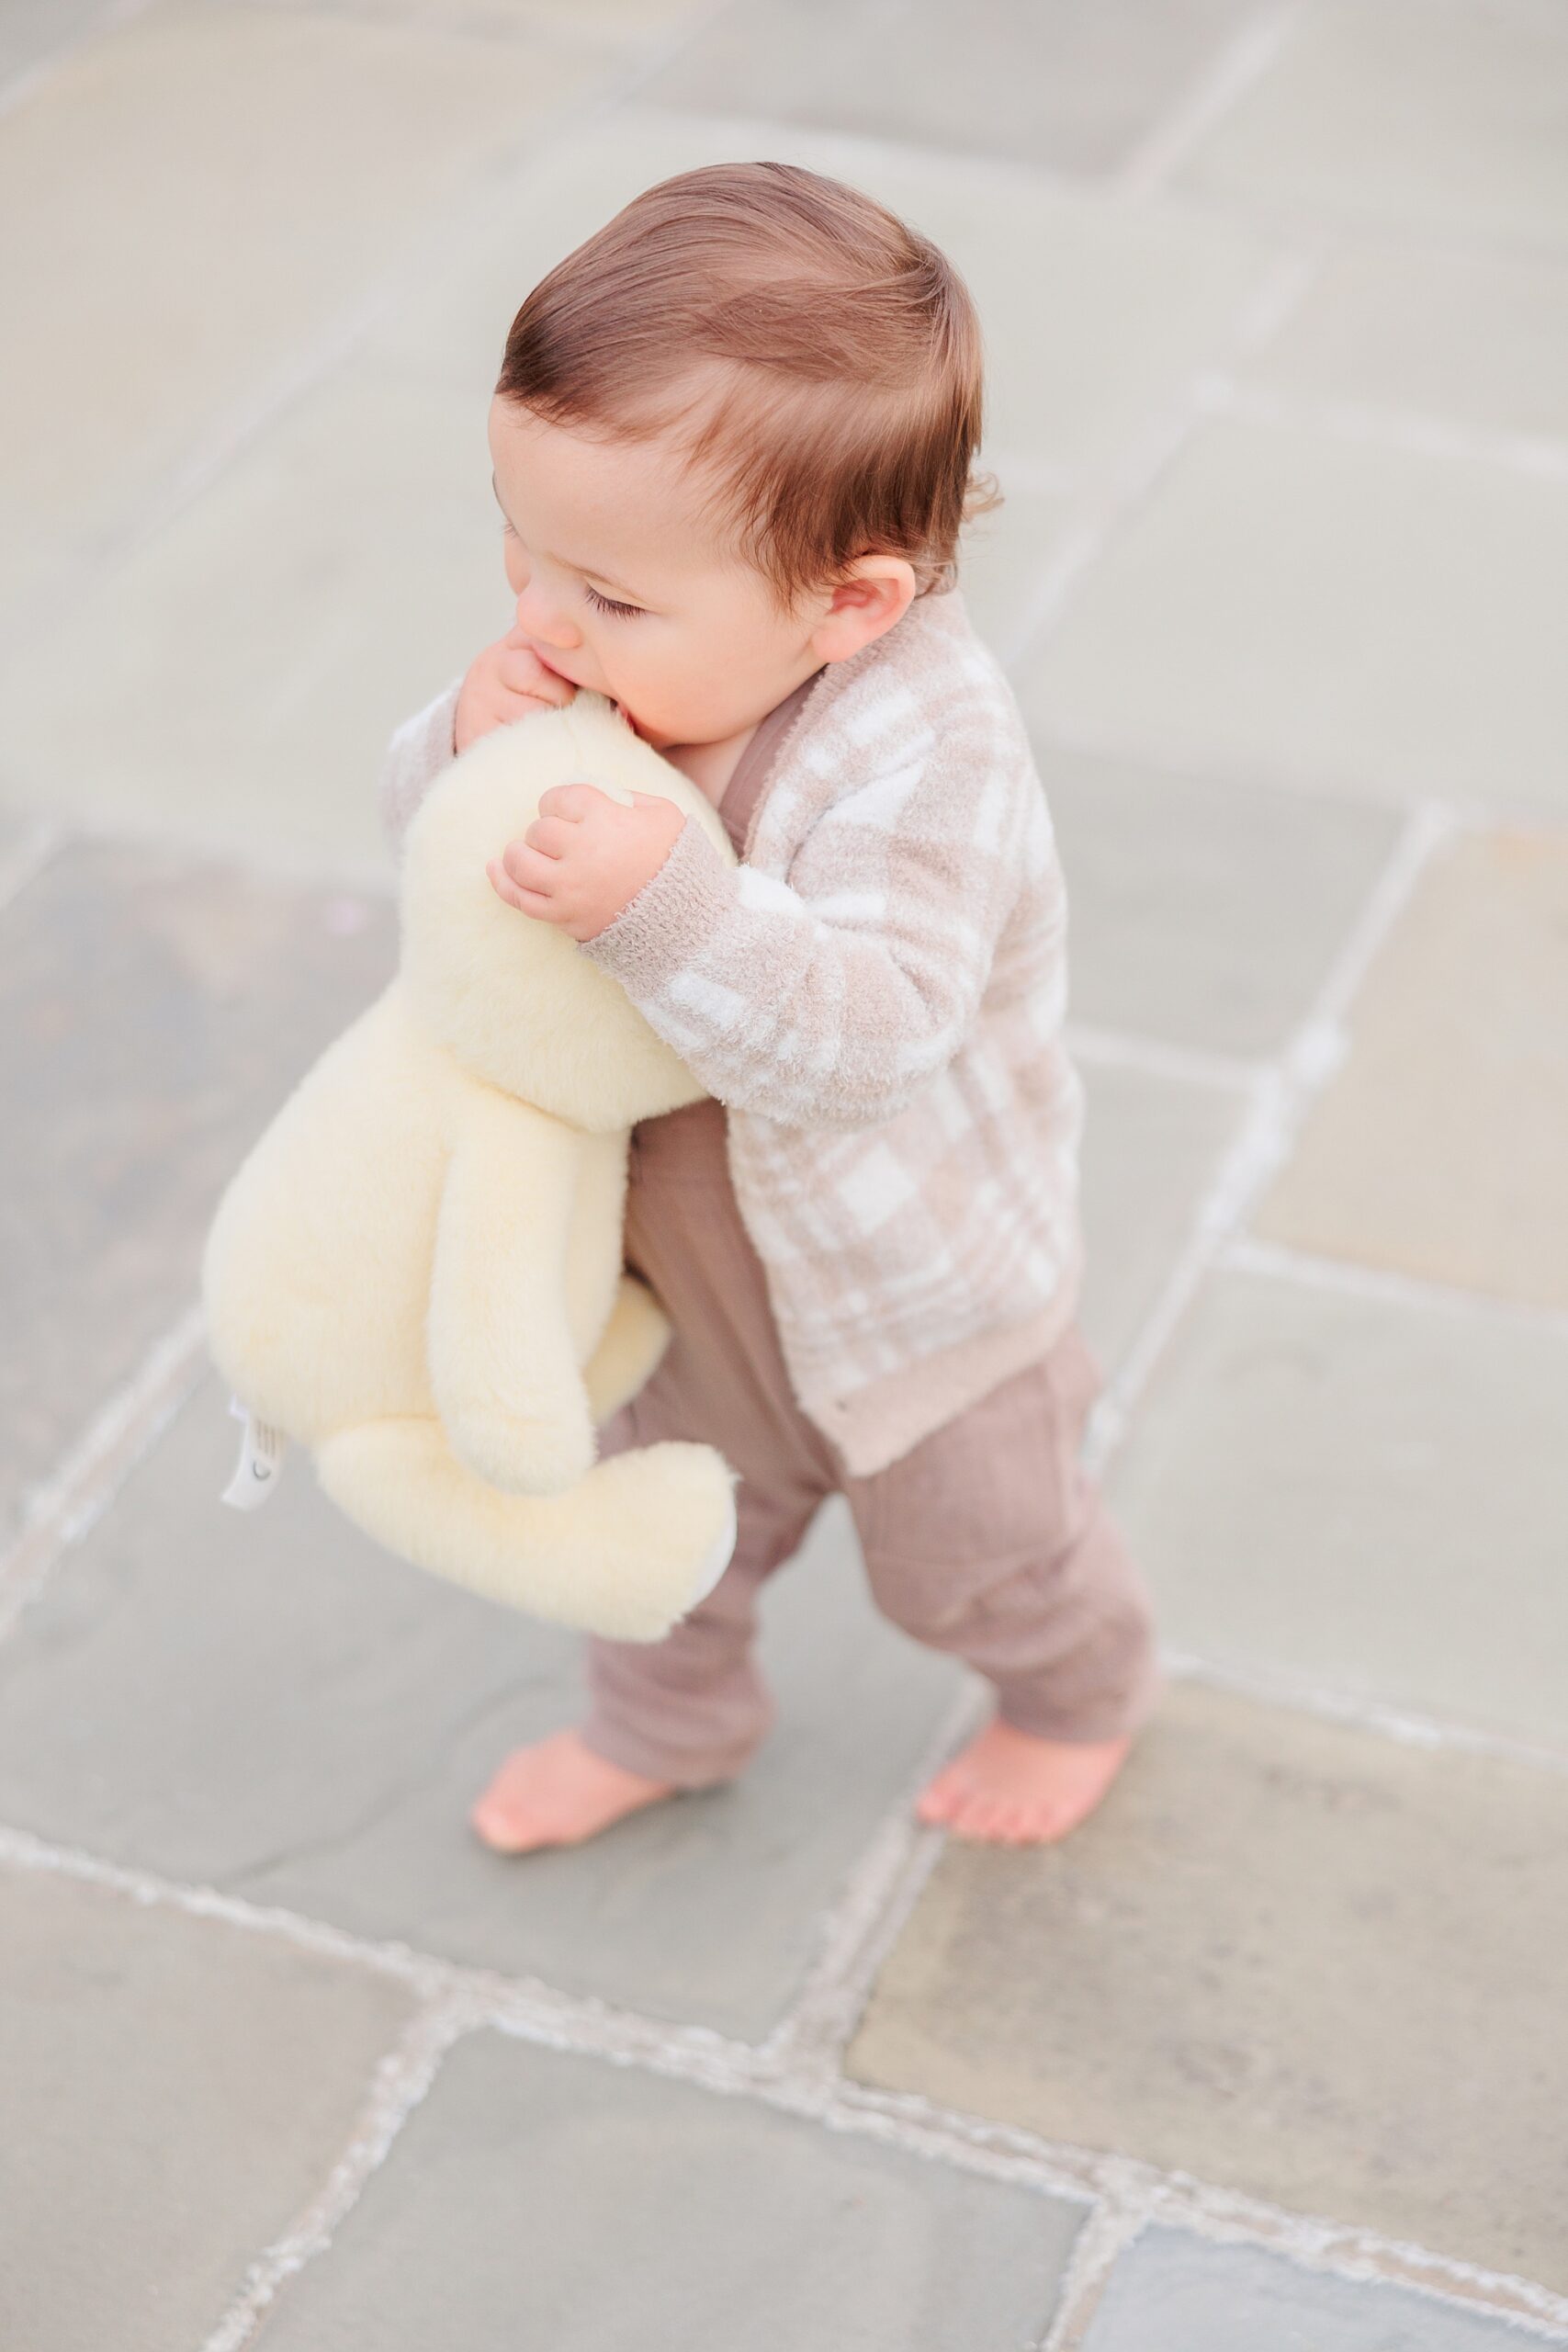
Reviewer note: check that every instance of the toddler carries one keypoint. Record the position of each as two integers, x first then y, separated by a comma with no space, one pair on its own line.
733,439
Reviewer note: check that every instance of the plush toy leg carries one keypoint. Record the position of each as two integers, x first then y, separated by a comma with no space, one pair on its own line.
636,1543
635,1337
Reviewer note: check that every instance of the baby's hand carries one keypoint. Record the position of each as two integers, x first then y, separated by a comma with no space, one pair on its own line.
506,682
585,856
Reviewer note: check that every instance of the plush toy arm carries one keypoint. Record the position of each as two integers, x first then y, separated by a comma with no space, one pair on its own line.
634,1338
503,1365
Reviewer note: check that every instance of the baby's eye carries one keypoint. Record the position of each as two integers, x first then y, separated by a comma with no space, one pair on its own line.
608,604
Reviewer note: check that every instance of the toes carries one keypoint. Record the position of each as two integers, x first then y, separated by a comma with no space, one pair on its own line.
505,1820
942,1799
977,1819
1015,1826
1042,1825
504,1832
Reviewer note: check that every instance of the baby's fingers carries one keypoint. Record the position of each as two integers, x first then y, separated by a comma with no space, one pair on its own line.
529,868
527,902
521,670
501,882
551,836
573,802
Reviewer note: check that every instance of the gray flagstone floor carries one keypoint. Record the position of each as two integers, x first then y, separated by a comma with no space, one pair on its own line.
1275,2053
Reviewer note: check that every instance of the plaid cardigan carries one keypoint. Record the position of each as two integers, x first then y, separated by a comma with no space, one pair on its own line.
877,995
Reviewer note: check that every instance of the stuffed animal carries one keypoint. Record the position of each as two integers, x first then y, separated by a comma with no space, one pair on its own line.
417,1273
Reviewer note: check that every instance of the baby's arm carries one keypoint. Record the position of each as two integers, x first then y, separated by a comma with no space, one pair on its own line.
503,684
829,1000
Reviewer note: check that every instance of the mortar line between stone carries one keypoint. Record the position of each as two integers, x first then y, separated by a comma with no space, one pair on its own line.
1244,1253
875,1899
1538,454
1141,2192
1184,1065
1107,2235
1240,62
1282,1095
60,1513
1149,455
400,2083
1406,1726
456,1999
26,860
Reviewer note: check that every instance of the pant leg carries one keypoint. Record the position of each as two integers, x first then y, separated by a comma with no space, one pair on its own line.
692,1708
987,1541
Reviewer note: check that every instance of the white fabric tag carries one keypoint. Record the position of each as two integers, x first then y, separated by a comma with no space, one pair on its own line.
261,1461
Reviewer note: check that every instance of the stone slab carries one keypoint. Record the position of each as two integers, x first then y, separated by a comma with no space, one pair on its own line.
1152,1148
1093,314
1070,83
256,653
525,21
176,2091
32,32
1476,339
1440,116
1002,561
1441,1148
1363,1497
153,1012
269,1706
494,2219
1205,913
1315,1965
266,169
1330,611
1188,2296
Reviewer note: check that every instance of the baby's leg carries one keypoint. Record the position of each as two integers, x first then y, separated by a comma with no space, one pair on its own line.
685,1713
988,1542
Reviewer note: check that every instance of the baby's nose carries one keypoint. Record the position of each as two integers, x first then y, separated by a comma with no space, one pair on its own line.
538,618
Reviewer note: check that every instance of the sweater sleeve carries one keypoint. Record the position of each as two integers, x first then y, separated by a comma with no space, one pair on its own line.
828,999
421,748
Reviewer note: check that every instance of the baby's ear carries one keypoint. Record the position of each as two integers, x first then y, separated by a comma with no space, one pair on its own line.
875,592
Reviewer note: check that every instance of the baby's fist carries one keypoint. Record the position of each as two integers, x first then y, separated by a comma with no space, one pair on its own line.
505,682
585,856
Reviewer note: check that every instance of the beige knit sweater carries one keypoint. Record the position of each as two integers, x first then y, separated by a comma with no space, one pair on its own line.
877,995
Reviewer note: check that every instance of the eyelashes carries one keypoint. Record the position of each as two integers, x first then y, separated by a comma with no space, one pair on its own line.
608,604
601,604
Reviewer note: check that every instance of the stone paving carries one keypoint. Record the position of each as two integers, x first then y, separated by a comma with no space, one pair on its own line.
1274,2053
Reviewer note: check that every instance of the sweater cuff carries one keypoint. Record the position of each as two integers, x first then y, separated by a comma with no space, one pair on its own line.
668,924
423,746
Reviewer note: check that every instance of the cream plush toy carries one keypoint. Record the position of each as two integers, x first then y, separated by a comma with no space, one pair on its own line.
417,1273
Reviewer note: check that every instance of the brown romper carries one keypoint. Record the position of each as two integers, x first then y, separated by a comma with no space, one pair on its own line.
985,1540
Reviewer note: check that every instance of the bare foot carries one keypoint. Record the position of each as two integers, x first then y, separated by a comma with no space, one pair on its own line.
1007,1788
557,1792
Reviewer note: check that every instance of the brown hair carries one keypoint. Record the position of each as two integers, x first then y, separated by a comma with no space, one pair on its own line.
821,359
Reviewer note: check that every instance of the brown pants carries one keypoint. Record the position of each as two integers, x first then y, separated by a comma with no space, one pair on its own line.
986,1540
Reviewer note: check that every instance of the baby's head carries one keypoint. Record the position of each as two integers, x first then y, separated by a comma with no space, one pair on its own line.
734,435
